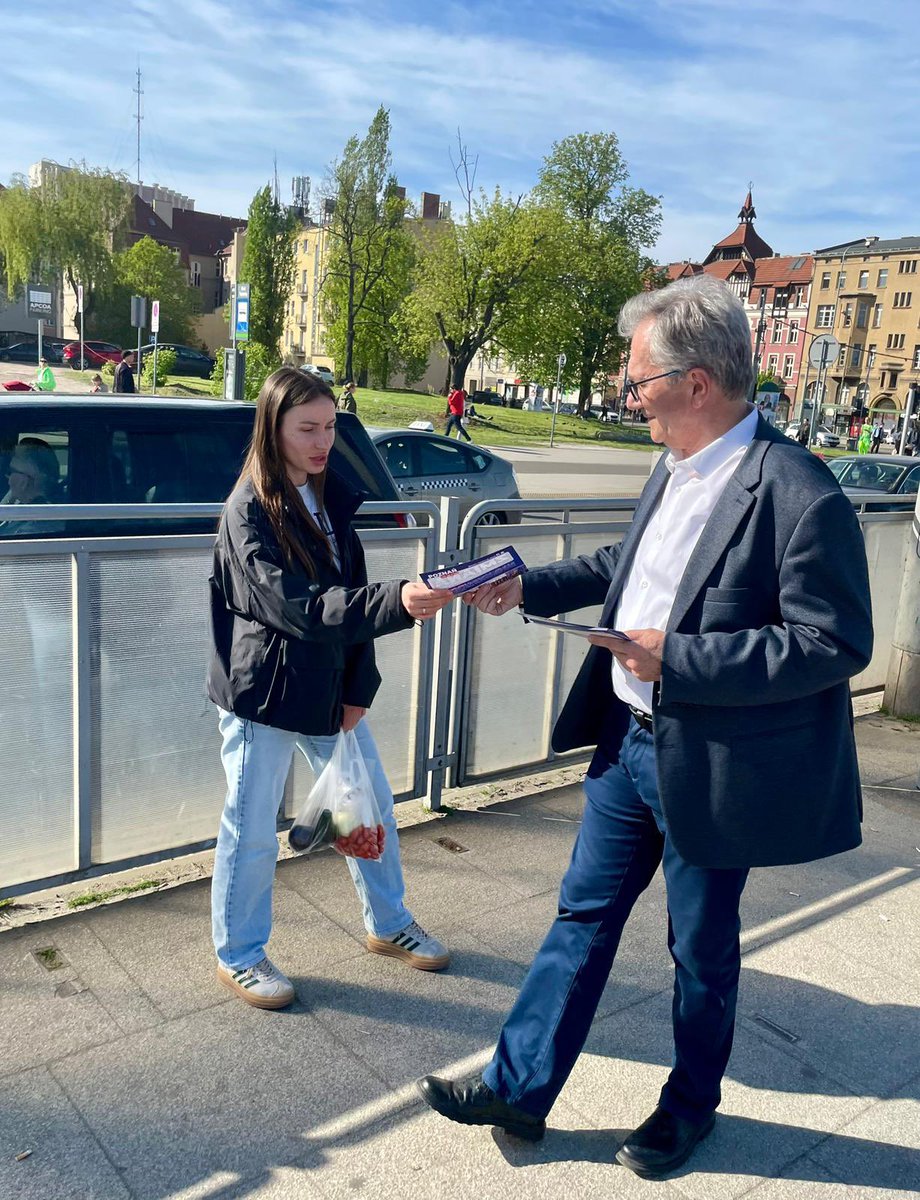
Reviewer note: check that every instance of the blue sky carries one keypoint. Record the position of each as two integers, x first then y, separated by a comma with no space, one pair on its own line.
816,101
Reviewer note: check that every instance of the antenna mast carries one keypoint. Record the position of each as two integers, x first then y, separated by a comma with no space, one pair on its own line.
138,93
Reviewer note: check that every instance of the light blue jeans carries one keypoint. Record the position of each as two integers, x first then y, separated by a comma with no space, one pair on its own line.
256,760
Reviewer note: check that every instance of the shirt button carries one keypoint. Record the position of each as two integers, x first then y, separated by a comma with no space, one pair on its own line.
644,583
658,538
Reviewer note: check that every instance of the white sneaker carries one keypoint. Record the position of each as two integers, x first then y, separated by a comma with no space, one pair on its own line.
262,986
414,946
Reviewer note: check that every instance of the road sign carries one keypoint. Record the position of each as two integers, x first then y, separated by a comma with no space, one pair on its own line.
41,303
79,297
155,317
560,361
138,311
824,351
241,315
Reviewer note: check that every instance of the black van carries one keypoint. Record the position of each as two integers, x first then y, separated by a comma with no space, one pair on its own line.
147,451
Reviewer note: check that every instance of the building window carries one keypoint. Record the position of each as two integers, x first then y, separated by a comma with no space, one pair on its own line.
777,335
856,356
788,366
870,357
847,314
895,341
902,299
825,316
916,363
841,280
877,317
780,299
793,332
863,280
883,277
862,314
196,274
799,296
842,356
891,381
907,266
825,280
772,363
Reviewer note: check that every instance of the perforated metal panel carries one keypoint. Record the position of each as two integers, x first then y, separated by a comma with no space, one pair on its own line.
160,779
36,718
886,542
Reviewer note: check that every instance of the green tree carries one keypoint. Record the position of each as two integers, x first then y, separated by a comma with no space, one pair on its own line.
371,252
150,270
594,258
475,276
268,267
68,226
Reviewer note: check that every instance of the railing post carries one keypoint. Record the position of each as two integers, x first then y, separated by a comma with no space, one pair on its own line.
82,711
439,696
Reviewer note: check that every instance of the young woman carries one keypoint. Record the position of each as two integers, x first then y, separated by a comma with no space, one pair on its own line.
293,625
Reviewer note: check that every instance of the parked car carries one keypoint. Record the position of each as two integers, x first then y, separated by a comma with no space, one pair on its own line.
147,451
324,373
95,354
188,360
826,438
425,466
20,352
896,474
487,396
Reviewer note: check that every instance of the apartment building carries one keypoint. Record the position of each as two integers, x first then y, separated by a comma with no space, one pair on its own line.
867,294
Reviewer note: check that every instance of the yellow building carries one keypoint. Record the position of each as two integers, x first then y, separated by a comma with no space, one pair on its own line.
867,294
303,340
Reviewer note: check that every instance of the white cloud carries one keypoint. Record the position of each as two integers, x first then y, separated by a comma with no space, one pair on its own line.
815,102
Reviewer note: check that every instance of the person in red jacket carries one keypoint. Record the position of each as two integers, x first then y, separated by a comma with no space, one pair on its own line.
456,404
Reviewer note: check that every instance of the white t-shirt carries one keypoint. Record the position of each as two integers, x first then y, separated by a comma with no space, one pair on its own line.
319,516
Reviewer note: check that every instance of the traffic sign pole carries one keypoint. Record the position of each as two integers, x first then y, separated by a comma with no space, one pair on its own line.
560,363
155,330
82,331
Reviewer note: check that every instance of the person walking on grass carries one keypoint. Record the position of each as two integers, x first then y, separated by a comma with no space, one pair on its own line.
293,624
456,406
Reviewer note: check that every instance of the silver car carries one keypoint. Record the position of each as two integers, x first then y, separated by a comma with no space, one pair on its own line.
426,466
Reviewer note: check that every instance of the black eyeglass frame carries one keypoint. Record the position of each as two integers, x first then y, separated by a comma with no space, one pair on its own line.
631,387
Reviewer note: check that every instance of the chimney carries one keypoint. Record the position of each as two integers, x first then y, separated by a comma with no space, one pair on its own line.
399,192
431,206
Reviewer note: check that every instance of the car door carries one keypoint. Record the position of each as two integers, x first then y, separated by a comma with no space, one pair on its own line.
445,468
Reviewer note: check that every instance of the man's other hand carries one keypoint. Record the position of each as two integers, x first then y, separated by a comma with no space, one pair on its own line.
496,599
640,656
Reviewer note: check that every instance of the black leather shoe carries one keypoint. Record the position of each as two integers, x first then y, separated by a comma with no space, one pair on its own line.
474,1103
662,1143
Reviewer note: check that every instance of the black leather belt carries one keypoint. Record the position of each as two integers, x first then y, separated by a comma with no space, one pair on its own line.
643,719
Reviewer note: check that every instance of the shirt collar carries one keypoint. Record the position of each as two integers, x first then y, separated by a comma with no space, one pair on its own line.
717,453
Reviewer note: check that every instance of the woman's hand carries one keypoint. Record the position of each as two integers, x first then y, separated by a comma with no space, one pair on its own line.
422,602
351,715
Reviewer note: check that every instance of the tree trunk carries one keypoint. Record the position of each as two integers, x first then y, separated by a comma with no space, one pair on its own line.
458,367
350,328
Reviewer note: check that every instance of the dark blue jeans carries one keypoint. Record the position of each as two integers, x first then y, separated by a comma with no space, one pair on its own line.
623,838
453,422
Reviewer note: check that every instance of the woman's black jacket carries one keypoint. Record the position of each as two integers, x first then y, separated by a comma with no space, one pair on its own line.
287,650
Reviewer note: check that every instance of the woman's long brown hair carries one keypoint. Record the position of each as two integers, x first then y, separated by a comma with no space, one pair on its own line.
287,388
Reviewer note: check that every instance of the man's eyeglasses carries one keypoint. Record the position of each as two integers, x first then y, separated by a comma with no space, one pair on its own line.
631,387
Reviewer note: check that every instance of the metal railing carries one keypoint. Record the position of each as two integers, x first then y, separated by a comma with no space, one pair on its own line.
108,744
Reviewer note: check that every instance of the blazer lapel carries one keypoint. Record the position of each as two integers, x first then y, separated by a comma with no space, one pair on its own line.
719,530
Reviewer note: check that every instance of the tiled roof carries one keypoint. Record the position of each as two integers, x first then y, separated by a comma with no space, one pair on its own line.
205,233
727,267
887,246
146,223
745,237
790,268
680,270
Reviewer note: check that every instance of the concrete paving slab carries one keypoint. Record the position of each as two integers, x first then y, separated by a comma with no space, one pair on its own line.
46,1014
880,1148
231,1089
165,939
435,878
888,748
774,1108
64,1159
851,1022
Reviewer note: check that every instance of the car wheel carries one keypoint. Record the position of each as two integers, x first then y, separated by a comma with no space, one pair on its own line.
492,518
4,357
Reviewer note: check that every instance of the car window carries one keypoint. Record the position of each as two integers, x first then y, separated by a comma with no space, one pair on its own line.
872,476
440,458
911,485
355,458
397,454
839,467
173,466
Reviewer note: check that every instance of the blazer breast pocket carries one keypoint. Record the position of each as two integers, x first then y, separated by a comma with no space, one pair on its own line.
727,610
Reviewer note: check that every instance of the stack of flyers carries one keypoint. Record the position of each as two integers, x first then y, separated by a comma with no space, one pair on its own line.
492,568
571,627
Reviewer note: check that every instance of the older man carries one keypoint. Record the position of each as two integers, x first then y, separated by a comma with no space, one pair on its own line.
723,726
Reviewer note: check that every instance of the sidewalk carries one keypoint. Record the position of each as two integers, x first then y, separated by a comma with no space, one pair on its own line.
127,1071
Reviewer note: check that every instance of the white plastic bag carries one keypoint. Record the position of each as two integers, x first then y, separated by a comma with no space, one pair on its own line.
341,810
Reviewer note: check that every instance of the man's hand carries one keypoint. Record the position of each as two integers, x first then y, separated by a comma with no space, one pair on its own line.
422,602
351,715
641,655
497,598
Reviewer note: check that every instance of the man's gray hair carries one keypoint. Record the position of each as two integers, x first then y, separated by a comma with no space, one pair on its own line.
698,322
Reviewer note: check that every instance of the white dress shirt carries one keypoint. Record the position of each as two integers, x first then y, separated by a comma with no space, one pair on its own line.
674,528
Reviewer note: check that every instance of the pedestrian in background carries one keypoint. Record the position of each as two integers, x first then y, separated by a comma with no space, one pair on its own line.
456,406
97,385
722,723
293,623
865,439
347,401
878,432
124,373
44,378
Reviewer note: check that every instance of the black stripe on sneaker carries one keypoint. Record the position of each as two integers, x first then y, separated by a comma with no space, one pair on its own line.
411,946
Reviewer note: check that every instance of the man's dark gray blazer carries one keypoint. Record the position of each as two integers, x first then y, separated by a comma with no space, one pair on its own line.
753,724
